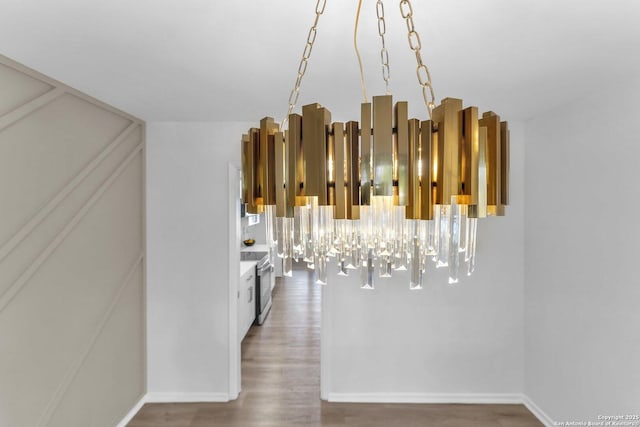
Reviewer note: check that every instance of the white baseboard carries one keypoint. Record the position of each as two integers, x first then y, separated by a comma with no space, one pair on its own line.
172,398
537,412
187,397
132,413
485,398
469,398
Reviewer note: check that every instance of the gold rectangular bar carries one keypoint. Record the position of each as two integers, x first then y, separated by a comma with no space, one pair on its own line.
414,170
479,210
324,124
309,148
247,168
271,172
256,206
295,160
315,122
352,170
365,155
382,146
267,171
401,150
331,174
340,171
504,162
436,178
491,122
289,201
446,116
280,191
260,160
495,210
425,160
469,154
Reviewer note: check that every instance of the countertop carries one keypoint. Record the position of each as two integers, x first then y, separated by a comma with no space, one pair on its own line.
246,266
255,248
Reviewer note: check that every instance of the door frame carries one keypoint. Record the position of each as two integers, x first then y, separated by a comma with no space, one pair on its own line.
235,365
235,353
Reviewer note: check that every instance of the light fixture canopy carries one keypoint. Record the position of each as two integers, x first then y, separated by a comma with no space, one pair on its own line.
387,191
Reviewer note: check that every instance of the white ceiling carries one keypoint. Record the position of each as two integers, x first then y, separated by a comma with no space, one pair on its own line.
204,60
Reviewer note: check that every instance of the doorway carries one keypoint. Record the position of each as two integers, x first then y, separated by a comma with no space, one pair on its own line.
298,321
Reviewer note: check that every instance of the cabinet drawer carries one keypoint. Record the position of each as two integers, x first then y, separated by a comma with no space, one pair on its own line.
246,302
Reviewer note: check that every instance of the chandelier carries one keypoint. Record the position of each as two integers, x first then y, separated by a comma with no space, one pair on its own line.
382,194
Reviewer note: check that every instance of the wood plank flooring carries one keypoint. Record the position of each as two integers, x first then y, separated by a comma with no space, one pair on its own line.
281,382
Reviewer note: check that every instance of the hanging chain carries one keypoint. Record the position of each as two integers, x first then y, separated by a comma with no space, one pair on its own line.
363,81
424,77
384,53
302,68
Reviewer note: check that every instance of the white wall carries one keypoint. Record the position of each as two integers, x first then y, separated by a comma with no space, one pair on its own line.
442,343
72,287
188,273
462,342
257,232
582,350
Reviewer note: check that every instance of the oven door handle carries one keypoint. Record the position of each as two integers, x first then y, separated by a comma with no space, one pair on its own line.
264,269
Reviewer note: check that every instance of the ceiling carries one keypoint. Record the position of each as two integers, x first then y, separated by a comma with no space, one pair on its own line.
236,60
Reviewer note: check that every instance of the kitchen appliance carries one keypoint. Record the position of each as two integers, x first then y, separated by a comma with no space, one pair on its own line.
264,270
263,289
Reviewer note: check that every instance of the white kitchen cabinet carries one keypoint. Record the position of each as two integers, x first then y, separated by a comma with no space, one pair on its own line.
246,301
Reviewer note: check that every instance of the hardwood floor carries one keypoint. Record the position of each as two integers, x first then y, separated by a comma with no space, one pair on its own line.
281,382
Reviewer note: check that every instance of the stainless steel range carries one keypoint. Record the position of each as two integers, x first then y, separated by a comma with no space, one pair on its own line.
264,270
263,289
